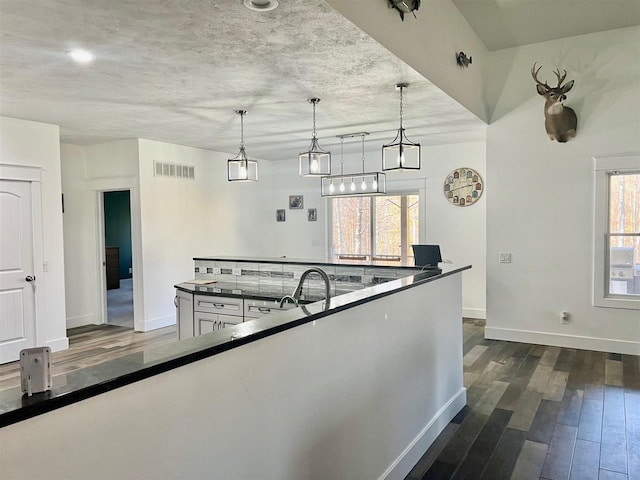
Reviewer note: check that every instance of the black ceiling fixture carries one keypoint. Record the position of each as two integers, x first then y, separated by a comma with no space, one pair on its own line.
462,60
405,6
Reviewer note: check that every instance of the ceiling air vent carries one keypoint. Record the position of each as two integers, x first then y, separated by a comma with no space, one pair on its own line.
175,170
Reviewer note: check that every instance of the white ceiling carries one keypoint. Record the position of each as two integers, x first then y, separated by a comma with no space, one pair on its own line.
176,72
511,23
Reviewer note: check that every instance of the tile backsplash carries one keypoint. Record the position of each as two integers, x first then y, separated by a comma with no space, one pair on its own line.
286,276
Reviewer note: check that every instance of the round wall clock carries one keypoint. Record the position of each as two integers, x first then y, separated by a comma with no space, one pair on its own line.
463,187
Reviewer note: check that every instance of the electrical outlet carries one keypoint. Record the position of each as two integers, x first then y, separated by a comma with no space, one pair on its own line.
130,270
505,257
564,318
216,270
236,271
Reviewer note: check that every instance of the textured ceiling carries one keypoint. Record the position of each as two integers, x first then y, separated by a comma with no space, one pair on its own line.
511,23
176,72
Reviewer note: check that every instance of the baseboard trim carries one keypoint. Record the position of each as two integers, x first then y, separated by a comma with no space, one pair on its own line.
401,467
156,323
560,340
81,320
480,313
58,344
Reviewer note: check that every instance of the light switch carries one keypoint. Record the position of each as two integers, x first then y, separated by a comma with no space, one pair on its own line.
505,257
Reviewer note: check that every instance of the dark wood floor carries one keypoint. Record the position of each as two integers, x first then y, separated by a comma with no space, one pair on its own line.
536,412
90,345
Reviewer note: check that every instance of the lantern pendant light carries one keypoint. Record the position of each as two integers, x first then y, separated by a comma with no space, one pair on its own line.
315,162
401,153
241,168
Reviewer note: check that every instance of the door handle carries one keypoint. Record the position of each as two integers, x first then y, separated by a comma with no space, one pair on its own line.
30,278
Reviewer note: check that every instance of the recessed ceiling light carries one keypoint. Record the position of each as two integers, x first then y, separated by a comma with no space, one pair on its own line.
81,56
260,5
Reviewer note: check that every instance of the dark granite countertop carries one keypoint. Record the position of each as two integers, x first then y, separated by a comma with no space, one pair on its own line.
76,386
253,292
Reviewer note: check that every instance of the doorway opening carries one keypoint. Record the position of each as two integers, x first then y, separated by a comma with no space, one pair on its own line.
118,261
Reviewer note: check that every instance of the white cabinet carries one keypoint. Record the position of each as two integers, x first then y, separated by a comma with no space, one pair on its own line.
214,313
200,314
211,322
184,314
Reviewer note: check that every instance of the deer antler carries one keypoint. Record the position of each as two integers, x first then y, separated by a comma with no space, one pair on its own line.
534,74
560,79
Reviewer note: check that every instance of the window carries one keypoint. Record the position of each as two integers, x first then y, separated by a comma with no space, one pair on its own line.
375,228
617,232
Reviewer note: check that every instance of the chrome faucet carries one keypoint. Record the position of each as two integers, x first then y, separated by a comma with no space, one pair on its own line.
298,291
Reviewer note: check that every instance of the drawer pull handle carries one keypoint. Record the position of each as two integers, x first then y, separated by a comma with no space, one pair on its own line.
175,301
264,310
218,305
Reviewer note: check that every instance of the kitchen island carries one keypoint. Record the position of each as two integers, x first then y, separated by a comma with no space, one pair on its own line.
229,290
357,387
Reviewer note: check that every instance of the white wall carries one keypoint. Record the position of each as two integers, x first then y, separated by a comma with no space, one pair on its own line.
540,193
429,44
173,220
460,231
297,237
182,219
302,404
38,144
80,242
87,171
113,160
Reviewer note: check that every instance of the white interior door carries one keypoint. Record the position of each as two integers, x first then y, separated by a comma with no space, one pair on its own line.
17,280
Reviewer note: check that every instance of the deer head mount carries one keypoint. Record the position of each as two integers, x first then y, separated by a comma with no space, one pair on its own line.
560,121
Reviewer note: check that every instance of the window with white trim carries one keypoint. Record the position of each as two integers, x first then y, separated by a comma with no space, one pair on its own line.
617,232
375,228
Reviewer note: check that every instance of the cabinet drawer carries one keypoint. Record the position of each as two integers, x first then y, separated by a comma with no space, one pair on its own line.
229,319
224,305
258,308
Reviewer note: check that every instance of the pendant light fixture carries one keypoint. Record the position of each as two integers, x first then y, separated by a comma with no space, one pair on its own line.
240,168
401,153
315,162
353,184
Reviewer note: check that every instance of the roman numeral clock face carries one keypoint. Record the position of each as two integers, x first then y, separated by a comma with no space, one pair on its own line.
463,187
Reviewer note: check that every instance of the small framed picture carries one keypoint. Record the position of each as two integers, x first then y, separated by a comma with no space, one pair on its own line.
281,215
312,214
296,202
